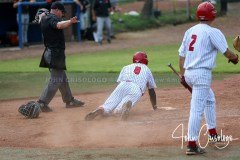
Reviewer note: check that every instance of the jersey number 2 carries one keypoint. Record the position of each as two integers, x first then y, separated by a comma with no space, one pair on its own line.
137,70
194,38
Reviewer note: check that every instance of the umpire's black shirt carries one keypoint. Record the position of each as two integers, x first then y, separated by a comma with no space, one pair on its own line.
54,42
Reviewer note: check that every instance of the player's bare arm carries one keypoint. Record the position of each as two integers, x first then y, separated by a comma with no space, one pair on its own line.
153,99
181,63
67,23
231,56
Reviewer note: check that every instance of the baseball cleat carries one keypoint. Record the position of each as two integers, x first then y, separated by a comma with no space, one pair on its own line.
194,150
92,115
126,110
74,103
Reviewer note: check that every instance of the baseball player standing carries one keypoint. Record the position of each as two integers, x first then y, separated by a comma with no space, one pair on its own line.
133,81
197,58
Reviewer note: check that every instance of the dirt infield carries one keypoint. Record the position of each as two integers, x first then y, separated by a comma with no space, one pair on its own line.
145,127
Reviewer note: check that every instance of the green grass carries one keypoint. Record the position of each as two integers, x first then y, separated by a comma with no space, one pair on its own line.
25,85
113,61
123,23
110,61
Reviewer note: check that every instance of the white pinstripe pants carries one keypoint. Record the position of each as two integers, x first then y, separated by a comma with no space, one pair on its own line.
124,92
202,102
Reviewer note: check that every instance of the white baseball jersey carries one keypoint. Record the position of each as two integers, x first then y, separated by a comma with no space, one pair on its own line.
139,74
133,80
200,46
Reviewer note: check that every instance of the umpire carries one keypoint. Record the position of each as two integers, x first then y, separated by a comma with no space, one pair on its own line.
53,57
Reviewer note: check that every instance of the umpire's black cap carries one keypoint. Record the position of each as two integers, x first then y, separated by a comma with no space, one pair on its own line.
58,5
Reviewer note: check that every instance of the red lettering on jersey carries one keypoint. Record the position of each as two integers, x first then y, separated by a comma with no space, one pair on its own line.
194,38
137,70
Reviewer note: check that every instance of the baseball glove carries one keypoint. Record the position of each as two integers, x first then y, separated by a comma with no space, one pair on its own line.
30,110
39,14
236,43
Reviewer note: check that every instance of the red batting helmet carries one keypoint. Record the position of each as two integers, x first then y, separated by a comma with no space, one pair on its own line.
206,11
140,57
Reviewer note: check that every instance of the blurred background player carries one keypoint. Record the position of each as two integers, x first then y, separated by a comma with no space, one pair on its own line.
84,16
24,19
198,52
133,81
100,13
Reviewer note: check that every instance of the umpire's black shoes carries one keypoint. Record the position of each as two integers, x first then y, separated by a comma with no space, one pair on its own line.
44,107
194,150
74,103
